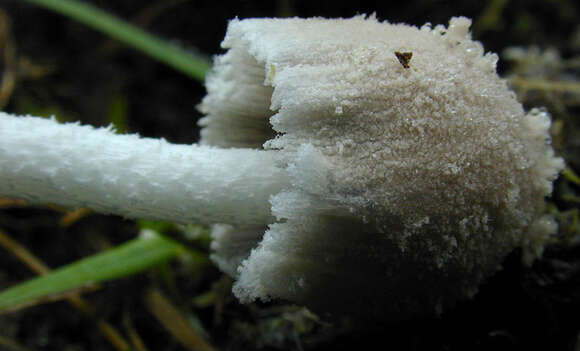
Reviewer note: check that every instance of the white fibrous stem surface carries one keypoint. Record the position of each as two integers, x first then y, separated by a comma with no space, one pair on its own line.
80,166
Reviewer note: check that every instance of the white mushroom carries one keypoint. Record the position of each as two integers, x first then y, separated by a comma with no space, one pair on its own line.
399,169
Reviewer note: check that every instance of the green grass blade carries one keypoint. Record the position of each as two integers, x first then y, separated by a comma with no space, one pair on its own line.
186,62
129,258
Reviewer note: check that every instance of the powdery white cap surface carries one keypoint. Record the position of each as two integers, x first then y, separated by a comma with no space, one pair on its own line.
408,185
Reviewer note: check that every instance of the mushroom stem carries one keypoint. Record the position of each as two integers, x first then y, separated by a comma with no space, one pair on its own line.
81,166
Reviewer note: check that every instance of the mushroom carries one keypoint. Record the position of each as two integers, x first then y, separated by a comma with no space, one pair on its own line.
349,165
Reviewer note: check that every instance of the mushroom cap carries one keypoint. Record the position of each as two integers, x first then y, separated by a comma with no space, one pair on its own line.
414,169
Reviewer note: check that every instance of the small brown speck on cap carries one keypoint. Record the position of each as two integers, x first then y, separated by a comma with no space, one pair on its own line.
404,58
